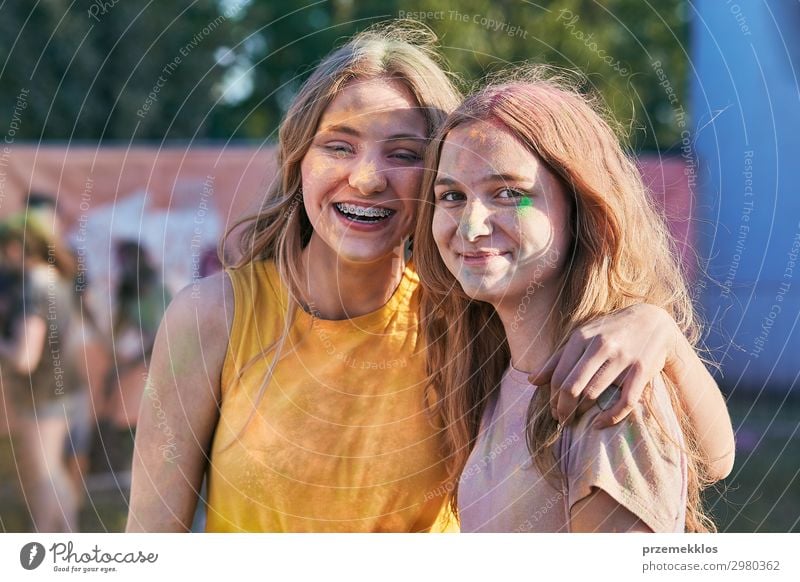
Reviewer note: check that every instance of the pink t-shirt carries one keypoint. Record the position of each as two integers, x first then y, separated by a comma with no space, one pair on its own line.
638,462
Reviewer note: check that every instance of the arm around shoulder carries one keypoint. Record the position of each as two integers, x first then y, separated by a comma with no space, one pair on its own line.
180,407
706,408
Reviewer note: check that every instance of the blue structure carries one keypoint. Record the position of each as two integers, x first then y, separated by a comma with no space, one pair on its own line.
745,104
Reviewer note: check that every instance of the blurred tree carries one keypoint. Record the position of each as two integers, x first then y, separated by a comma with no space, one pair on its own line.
613,43
91,65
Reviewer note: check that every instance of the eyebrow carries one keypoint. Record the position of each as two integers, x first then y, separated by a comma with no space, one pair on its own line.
346,129
342,129
445,181
504,178
402,136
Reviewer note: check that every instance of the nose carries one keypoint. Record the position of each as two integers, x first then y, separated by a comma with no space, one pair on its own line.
475,221
368,176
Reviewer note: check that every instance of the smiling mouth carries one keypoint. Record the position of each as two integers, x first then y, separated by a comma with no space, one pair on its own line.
481,259
367,215
484,255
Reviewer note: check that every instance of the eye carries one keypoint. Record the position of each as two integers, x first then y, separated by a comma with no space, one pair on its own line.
339,150
511,193
451,196
406,156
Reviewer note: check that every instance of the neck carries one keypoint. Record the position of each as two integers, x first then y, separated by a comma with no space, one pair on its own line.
338,289
529,327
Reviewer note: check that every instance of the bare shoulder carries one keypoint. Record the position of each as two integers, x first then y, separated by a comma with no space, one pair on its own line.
213,295
204,309
194,334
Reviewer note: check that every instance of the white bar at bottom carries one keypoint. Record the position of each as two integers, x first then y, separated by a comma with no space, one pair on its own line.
420,557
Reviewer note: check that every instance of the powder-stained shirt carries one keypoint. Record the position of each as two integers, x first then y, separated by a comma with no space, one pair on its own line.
342,439
639,462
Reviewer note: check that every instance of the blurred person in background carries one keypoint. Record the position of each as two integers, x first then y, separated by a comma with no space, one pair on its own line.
209,262
44,209
86,342
39,384
140,299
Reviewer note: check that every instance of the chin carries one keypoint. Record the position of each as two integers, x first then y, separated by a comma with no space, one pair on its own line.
363,253
482,290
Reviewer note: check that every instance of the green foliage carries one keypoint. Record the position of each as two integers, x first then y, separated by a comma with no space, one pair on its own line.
93,76
90,73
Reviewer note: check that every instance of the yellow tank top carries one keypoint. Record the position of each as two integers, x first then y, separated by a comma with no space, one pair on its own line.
342,439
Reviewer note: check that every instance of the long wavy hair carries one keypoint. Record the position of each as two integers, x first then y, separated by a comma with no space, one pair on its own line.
621,255
401,50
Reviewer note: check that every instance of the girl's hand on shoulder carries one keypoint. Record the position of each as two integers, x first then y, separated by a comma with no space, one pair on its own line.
627,348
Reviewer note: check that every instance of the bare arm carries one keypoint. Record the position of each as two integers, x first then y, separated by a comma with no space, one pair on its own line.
599,512
180,407
705,406
25,351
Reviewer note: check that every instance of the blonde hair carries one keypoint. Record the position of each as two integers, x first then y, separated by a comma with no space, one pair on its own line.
38,242
621,255
404,51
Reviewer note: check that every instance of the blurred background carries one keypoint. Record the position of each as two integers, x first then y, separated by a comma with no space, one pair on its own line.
133,132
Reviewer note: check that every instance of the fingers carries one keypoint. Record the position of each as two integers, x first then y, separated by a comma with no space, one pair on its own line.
580,363
632,389
585,406
553,402
605,377
558,368
571,354
588,364
602,389
543,379
609,398
589,379
544,375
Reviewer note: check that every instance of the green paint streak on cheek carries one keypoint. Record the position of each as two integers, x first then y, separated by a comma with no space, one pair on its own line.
524,205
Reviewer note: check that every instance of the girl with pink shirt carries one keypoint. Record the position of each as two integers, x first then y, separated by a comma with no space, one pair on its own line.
536,224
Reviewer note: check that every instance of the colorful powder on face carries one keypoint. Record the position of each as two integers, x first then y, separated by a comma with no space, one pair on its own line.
525,204
478,134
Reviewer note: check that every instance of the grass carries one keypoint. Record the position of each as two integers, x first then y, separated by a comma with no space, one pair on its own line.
103,509
762,493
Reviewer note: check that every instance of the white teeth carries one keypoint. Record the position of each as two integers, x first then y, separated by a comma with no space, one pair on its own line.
361,211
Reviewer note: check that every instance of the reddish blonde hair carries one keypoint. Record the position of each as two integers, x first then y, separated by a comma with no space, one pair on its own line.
621,255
